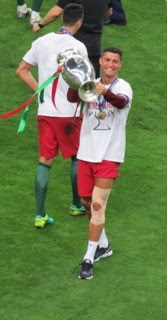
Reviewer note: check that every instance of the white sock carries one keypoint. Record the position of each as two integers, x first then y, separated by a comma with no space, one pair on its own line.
35,15
22,8
103,241
92,246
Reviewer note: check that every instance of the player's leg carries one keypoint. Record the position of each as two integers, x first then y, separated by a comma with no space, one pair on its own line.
100,196
76,208
36,5
20,2
35,16
22,10
110,170
95,209
116,14
96,226
67,132
41,186
103,249
48,149
98,179
86,202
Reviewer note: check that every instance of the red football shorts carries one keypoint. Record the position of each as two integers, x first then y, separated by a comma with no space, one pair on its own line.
88,171
58,134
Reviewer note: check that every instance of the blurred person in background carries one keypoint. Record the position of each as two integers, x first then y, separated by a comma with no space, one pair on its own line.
23,11
116,14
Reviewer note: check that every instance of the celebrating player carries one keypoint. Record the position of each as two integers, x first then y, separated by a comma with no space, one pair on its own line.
101,151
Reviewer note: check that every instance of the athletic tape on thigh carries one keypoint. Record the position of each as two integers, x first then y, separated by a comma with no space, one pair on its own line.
98,206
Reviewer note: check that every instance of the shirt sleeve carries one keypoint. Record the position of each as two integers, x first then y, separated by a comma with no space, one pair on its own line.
126,91
118,101
31,56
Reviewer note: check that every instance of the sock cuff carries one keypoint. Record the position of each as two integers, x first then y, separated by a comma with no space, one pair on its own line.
44,165
93,243
74,158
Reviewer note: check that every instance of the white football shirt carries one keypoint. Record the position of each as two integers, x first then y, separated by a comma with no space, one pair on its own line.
43,53
104,139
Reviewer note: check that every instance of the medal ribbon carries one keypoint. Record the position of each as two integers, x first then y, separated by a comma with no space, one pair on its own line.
65,31
80,104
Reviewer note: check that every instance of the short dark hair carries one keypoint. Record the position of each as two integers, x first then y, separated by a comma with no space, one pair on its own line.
113,50
72,13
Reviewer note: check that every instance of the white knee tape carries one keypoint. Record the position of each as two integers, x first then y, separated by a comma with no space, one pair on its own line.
98,206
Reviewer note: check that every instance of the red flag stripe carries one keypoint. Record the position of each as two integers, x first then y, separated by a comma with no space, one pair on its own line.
20,108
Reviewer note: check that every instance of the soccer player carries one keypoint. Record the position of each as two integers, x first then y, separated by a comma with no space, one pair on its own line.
90,32
56,127
101,151
23,10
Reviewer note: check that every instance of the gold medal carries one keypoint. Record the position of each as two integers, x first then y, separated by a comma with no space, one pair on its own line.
101,115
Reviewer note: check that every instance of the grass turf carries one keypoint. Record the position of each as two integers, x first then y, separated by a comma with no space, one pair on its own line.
36,266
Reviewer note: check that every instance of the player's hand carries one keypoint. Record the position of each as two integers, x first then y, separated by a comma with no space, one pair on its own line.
36,28
101,89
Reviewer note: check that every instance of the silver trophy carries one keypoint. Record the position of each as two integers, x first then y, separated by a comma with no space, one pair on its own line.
79,74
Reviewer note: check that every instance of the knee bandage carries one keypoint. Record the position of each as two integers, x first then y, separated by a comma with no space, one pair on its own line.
98,206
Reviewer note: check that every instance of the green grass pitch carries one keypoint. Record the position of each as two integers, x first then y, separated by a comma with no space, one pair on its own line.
36,266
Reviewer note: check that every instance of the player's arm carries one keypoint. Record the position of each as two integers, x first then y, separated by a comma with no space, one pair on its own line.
118,101
24,73
51,16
